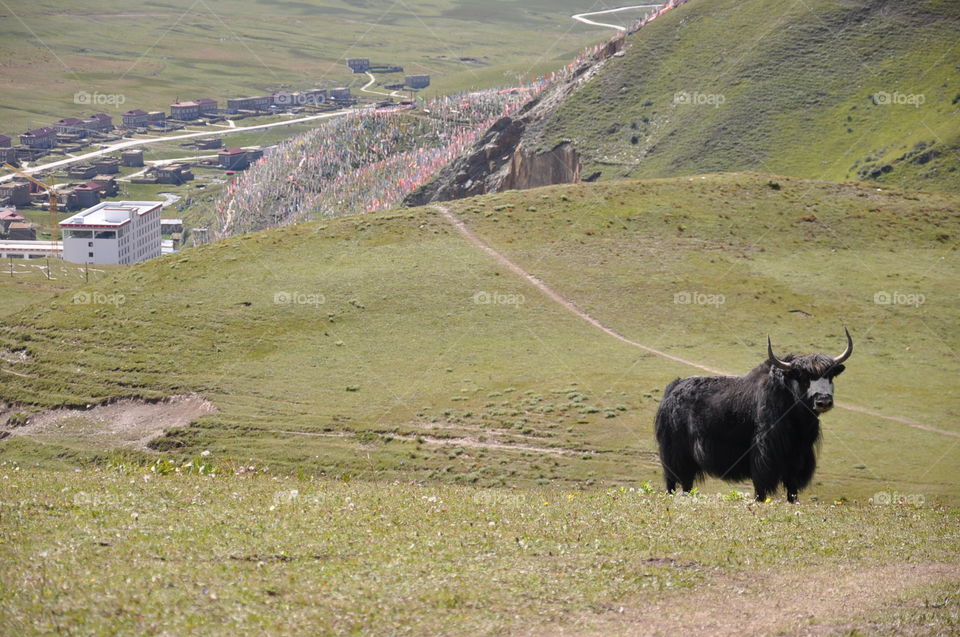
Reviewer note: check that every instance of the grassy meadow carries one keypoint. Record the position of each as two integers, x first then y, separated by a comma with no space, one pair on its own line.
386,346
125,550
400,435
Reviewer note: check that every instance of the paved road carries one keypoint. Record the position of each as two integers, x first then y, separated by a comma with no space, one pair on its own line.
582,17
142,142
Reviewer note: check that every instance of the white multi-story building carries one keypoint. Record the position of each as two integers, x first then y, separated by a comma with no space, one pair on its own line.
113,232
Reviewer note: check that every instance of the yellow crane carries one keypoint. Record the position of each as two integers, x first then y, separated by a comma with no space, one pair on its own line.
54,224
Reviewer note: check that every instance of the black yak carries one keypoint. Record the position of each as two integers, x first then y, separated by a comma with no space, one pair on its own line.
763,425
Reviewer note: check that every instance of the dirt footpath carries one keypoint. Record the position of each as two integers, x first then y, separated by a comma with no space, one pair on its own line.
805,602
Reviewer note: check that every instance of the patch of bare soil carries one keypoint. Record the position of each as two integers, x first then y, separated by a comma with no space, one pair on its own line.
127,423
811,601
453,441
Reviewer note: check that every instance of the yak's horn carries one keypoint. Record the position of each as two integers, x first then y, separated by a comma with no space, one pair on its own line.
846,352
776,362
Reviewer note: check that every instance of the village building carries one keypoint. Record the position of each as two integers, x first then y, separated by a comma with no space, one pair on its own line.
15,193
233,159
106,165
174,174
99,123
254,153
132,158
113,233
256,103
185,111
171,226
70,126
82,171
9,216
137,118
21,231
45,137
9,155
209,143
340,95
206,106
107,183
417,81
83,196
358,65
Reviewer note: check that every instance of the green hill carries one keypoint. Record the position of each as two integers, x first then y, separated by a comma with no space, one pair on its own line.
866,90
362,346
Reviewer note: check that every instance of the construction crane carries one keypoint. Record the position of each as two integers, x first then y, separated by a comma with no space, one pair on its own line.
54,224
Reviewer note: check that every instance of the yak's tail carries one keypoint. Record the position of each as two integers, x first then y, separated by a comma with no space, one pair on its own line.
660,422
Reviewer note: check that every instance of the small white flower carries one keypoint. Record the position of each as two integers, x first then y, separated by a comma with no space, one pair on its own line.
205,453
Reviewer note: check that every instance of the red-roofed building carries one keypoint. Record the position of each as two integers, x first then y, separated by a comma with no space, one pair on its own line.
101,123
45,137
205,105
233,158
185,110
84,196
9,216
70,126
137,118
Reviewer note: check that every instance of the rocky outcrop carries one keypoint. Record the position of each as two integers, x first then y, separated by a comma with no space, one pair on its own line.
501,160
561,165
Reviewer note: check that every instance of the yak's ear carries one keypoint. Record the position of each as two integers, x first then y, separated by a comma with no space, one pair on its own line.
836,370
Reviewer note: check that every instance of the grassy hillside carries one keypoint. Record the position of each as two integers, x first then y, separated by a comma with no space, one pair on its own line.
357,347
157,51
854,90
129,551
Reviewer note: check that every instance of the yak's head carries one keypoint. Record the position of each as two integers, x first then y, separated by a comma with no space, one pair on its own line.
810,377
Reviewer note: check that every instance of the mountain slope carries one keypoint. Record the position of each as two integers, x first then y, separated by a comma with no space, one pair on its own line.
853,90
387,345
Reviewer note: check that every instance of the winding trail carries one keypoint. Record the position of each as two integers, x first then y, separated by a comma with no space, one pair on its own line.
571,307
366,87
582,17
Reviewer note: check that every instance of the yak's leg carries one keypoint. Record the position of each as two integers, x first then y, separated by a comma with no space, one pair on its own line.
678,468
683,478
765,480
799,473
671,480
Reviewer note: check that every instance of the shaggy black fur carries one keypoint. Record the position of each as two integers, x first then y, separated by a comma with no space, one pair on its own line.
762,425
